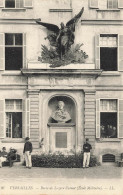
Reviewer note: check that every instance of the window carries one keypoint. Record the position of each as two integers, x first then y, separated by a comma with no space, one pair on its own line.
108,118
109,52
13,118
109,114
112,4
16,4
13,51
106,4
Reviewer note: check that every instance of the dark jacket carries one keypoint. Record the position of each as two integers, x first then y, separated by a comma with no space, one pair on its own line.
27,147
12,155
87,147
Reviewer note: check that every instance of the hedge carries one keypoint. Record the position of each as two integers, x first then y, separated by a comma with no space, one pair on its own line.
61,161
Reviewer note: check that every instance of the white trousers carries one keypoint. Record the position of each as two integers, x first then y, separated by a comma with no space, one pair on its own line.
28,159
2,159
86,159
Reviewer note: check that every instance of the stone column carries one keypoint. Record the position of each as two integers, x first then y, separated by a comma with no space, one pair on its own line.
90,117
34,117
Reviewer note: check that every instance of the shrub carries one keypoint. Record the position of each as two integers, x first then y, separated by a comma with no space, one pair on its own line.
61,161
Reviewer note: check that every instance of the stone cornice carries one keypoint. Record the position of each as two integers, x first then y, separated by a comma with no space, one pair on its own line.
61,124
83,22
90,72
101,22
17,21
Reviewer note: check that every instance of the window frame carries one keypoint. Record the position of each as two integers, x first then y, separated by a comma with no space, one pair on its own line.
25,120
2,48
10,111
13,46
119,6
97,50
98,131
112,5
2,5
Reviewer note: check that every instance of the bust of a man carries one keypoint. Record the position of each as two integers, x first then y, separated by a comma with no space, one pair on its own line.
61,115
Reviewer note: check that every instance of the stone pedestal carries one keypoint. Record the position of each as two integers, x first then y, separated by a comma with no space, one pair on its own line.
61,137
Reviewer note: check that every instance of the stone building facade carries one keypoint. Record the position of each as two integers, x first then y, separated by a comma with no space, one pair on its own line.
92,92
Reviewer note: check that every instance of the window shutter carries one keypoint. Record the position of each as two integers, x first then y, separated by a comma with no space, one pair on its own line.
97,118
2,118
28,3
24,132
120,119
2,51
120,3
120,52
97,51
2,3
24,50
94,4
26,118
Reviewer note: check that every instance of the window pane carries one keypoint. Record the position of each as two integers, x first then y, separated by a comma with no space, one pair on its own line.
9,105
104,105
115,4
112,4
9,39
18,39
113,105
13,58
108,58
108,126
10,3
8,124
17,124
108,105
19,3
19,104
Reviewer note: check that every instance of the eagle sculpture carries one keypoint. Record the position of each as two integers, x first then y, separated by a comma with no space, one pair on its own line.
62,38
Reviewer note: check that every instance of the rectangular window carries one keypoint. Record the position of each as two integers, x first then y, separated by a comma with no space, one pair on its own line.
112,4
13,109
13,51
106,4
108,52
14,3
108,118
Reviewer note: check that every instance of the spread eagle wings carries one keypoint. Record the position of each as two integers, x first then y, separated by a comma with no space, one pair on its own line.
71,23
51,27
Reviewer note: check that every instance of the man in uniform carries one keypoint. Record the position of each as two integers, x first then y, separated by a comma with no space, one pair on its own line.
27,151
86,158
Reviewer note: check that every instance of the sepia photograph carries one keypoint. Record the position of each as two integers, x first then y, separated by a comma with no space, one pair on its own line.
61,97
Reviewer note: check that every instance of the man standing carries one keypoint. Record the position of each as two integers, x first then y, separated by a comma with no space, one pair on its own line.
86,159
27,151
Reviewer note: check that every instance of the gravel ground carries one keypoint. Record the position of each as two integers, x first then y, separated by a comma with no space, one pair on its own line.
101,172
60,181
